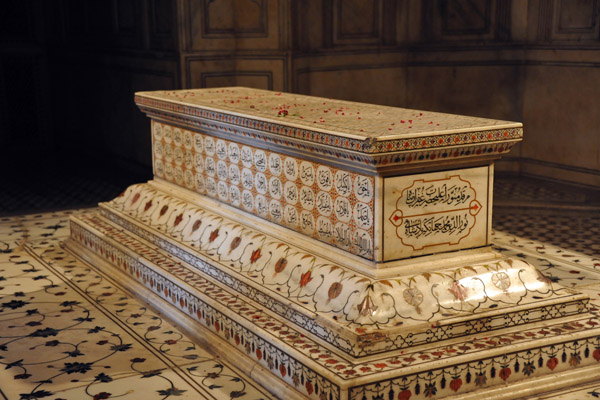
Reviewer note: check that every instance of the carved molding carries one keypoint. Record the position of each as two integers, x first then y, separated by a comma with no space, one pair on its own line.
466,20
161,24
221,18
204,76
357,21
466,17
574,21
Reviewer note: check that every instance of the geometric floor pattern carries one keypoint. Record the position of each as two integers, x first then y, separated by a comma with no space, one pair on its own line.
24,196
572,229
554,213
511,188
69,331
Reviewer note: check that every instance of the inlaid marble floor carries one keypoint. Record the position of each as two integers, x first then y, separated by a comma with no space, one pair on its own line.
68,331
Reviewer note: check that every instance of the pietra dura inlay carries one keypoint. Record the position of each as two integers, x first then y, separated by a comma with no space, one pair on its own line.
281,157
344,248
337,124
494,358
31,248
329,204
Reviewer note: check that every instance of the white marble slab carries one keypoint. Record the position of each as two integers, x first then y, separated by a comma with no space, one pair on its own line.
436,212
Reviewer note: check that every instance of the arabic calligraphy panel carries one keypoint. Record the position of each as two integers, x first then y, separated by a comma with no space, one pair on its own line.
436,212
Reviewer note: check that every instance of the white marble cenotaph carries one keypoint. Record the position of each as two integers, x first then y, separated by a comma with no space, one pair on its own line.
337,250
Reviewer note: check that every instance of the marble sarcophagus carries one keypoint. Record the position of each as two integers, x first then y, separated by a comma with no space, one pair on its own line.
339,250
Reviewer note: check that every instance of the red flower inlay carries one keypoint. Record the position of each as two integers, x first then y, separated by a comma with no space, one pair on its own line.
552,363
309,387
213,235
455,384
280,265
404,395
305,278
235,243
255,256
504,373
178,219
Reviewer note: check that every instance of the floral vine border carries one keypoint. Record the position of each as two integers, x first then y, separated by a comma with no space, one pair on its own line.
370,344
485,373
229,243
187,302
245,340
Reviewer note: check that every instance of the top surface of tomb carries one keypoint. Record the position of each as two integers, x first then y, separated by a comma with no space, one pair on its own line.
358,122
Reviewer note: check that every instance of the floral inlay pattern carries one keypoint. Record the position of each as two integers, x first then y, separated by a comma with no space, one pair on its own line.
313,283
295,284
414,375
44,234
67,332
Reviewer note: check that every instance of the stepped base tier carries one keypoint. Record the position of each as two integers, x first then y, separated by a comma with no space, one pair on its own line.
316,256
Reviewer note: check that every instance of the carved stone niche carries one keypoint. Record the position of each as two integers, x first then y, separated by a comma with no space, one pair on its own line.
338,250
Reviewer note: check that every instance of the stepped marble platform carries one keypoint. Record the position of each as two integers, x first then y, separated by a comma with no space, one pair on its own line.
339,249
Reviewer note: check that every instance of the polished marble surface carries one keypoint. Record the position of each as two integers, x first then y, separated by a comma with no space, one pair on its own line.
436,212
100,342
343,118
69,331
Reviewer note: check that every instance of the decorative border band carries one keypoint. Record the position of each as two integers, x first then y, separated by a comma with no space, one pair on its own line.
457,377
191,114
369,344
